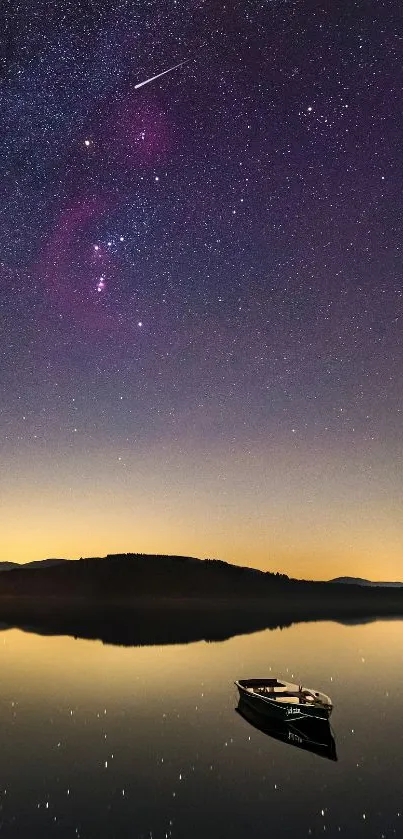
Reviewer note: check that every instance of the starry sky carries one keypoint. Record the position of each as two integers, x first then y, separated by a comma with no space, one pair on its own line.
201,282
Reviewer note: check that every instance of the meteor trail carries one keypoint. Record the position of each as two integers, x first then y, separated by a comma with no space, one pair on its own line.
158,76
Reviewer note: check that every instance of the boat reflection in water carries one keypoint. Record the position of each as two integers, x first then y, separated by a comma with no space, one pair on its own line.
310,734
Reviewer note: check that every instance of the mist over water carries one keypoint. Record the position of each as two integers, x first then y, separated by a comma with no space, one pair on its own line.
105,741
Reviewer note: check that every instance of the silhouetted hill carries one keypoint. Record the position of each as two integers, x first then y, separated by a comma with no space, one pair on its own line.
44,563
36,563
128,577
136,576
359,581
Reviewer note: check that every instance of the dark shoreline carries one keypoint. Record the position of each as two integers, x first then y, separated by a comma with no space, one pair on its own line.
136,599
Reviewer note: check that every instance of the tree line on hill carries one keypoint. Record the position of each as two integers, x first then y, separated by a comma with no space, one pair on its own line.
141,576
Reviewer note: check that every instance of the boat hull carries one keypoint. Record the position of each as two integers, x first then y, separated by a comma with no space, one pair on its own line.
309,734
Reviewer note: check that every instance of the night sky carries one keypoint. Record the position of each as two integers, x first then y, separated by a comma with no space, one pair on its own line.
201,298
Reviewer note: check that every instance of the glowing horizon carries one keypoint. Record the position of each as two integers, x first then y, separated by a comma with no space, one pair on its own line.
303,510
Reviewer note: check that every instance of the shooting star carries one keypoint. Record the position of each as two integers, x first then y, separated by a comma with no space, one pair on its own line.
158,76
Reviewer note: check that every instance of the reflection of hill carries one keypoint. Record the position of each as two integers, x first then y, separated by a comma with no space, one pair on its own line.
155,623
139,624
137,599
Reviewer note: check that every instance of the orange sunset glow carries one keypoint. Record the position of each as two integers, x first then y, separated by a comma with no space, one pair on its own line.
298,508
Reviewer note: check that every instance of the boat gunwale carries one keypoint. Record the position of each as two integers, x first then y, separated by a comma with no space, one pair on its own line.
246,689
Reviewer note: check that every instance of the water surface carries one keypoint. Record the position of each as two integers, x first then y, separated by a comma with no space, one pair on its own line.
104,741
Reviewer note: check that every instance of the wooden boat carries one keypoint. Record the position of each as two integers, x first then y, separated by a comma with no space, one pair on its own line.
285,701
309,734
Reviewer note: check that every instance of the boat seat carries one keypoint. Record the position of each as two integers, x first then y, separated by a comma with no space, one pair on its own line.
289,700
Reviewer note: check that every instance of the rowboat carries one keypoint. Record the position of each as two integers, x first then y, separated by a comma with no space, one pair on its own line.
283,700
308,734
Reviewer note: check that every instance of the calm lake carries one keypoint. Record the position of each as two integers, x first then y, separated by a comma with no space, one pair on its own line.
103,741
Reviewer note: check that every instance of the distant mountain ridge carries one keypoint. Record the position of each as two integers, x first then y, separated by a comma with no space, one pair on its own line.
36,563
360,581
